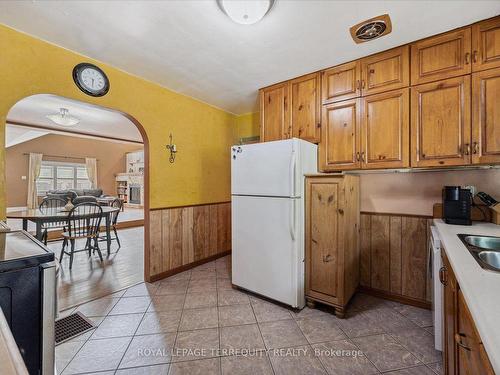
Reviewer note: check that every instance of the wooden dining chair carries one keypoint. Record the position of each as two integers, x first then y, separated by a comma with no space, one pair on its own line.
84,221
116,203
52,205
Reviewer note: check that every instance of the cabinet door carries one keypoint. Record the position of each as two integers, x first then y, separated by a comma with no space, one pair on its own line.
274,113
385,71
450,291
486,44
443,56
486,117
385,130
341,82
339,146
323,238
306,107
440,123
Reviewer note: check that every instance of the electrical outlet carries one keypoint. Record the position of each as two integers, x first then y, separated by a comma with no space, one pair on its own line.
24,178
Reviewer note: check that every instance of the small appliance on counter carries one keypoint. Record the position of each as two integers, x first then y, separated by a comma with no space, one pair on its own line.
457,205
28,298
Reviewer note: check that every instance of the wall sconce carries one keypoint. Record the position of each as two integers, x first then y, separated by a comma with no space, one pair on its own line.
172,148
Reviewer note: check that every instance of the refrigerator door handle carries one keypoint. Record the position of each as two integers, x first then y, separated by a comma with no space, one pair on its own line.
292,220
293,163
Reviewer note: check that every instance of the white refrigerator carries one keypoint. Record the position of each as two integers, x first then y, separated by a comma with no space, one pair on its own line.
267,188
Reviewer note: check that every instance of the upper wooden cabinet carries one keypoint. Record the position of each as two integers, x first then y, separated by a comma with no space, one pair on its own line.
486,44
305,107
441,123
385,134
443,56
339,147
385,71
341,82
274,113
486,117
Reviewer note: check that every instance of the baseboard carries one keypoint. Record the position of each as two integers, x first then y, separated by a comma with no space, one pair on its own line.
188,266
396,297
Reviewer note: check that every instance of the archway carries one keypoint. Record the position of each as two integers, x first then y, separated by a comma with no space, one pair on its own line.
112,138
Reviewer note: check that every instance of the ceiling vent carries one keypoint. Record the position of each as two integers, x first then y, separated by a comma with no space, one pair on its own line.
371,29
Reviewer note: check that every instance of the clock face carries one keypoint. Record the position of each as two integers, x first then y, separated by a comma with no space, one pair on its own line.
90,79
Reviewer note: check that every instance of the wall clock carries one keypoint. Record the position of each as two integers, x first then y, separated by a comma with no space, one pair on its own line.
90,79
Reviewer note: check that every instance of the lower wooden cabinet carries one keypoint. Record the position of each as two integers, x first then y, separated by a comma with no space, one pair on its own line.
332,240
464,352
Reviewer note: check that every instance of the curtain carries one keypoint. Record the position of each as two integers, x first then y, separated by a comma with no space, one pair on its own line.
91,164
33,173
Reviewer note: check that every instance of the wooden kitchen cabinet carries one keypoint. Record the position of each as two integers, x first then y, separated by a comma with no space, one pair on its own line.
486,117
441,123
464,352
486,44
440,57
341,82
385,135
274,113
339,148
305,107
332,240
385,71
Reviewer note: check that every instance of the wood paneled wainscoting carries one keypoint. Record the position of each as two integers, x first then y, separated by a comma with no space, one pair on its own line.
183,237
394,257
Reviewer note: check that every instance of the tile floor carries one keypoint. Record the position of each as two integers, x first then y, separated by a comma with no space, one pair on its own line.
195,323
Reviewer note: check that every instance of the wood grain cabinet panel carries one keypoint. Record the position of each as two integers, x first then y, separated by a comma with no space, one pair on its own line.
274,113
332,240
305,107
486,44
450,292
339,147
385,134
441,123
385,71
440,57
341,82
486,117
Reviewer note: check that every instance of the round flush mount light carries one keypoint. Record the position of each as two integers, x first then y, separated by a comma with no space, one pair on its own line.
246,12
63,118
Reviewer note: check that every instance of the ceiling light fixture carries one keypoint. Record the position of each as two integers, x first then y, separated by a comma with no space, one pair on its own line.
63,118
246,12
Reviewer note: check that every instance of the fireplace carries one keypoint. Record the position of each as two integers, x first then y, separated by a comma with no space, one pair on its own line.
134,194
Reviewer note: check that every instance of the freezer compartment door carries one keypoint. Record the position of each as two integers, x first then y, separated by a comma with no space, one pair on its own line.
265,251
264,169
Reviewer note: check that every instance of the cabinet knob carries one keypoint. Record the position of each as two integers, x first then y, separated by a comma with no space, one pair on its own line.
467,58
458,340
327,258
340,211
475,147
442,275
474,57
467,149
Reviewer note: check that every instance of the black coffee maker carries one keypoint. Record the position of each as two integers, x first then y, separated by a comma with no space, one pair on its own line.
457,204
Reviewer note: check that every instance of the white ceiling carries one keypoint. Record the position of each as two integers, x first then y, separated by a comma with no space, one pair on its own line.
94,120
193,48
15,135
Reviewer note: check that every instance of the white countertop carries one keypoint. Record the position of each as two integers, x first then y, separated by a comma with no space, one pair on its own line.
480,287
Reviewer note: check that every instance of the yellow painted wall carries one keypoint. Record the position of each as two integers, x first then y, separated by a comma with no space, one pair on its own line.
203,134
247,125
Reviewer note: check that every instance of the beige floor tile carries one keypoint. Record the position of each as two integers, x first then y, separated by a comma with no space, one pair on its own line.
257,364
195,300
268,312
199,344
168,287
238,340
282,334
160,322
385,353
202,285
296,361
389,319
361,302
167,302
140,290
421,317
131,305
149,350
356,324
236,315
98,307
205,317
186,275
224,283
418,370
321,329
98,355
437,367
203,273
65,353
420,343
232,297
117,326
343,358
307,313
209,366
145,370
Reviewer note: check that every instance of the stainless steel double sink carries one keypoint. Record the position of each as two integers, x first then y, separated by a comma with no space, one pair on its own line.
484,249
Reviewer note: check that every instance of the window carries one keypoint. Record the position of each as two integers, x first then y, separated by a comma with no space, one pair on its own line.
62,176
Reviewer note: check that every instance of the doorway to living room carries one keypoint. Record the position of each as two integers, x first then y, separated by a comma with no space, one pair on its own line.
64,156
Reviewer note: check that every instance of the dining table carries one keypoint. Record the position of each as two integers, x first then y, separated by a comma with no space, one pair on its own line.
40,217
